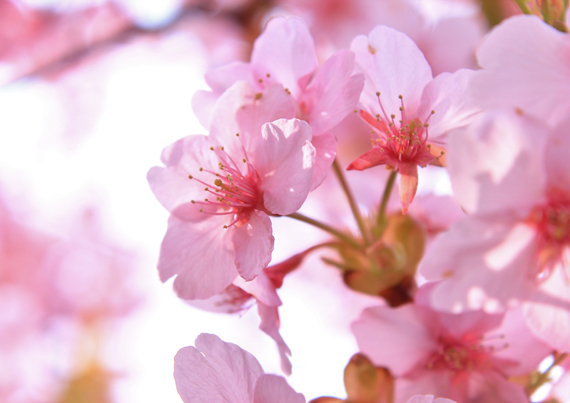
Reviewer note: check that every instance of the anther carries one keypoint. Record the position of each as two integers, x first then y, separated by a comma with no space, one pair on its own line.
268,75
244,160
192,201
225,227
258,95
260,80
218,182
212,148
432,112
222,148
401,97
378,93
190,177
206,189
200,169
237,134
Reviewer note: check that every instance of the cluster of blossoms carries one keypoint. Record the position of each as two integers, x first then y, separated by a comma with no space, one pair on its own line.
470,303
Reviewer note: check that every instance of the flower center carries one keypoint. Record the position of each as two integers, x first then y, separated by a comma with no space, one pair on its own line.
231,190
552,223
465,355
403,139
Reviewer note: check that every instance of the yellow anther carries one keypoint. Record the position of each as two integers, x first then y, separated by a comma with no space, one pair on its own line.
192,201
222,148
401,97
258,95
237,134
212,148
218,182
244,160
190,177
377,93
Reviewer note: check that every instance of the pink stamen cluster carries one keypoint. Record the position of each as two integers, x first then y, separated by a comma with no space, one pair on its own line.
404,139
235,192
467,354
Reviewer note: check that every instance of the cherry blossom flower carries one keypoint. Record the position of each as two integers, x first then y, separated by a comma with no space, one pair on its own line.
401,100
220,190
466,357
511,174
218,372
285,53
525,67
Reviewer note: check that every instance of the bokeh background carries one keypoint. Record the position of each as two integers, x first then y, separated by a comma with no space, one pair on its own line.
90,93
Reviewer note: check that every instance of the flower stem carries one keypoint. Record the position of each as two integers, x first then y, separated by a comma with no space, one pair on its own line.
522,5
326,228
353,206
385,197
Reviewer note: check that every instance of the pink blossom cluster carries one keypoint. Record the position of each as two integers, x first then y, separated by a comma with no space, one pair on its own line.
473,290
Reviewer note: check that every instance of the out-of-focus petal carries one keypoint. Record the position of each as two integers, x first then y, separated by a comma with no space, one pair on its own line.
525,64
393,338
270,325
497,166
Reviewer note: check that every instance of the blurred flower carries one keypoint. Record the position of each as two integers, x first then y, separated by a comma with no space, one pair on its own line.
511,174
466,357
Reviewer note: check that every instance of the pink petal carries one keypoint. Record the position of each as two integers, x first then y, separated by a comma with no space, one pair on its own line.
392,65
275,389
253,244
284,159
393,338
271,104
449,97
171,185
241,109
201,254
497,166
325,148
333,93
484,263
438,383
270,325
408,184
202,105
523,349
451,42
261,287
556,157
286,50
548,311
525,64
369,159
215,372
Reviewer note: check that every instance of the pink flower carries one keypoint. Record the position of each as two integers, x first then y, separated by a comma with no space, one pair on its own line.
401,100
285,53
466,357
511,174
218,372
221,188
525,66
